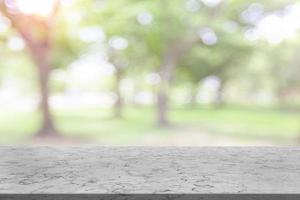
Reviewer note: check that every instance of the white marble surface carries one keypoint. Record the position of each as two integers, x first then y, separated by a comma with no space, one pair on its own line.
146,170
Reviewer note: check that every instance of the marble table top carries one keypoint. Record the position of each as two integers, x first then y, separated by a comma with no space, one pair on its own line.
147,170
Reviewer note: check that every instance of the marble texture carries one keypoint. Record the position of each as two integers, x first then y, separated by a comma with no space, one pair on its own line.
146,170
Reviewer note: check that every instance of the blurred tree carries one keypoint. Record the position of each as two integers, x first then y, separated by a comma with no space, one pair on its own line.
121,65
36,29
170,37
194,67
234,52
123,48
284,67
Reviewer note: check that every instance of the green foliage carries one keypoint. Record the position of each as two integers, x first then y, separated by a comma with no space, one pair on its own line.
154,30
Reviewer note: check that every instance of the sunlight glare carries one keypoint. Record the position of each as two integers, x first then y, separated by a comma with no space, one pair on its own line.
276,27
36,7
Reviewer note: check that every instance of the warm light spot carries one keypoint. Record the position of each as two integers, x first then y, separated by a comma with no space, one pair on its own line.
16,44
118,43
145,18
92,34
275,27
208,36
36,7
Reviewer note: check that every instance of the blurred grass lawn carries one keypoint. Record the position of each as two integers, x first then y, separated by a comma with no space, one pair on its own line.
97,125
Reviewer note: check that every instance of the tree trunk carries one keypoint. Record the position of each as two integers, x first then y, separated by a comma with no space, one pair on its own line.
41,59
162,95
174,53
38,37
136,91
281,94
118,106
219,101
193,95
162,105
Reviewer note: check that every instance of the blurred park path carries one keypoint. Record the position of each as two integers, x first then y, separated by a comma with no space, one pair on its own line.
177,138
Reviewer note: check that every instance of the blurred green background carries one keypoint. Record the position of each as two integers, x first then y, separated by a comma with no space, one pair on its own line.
166,73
